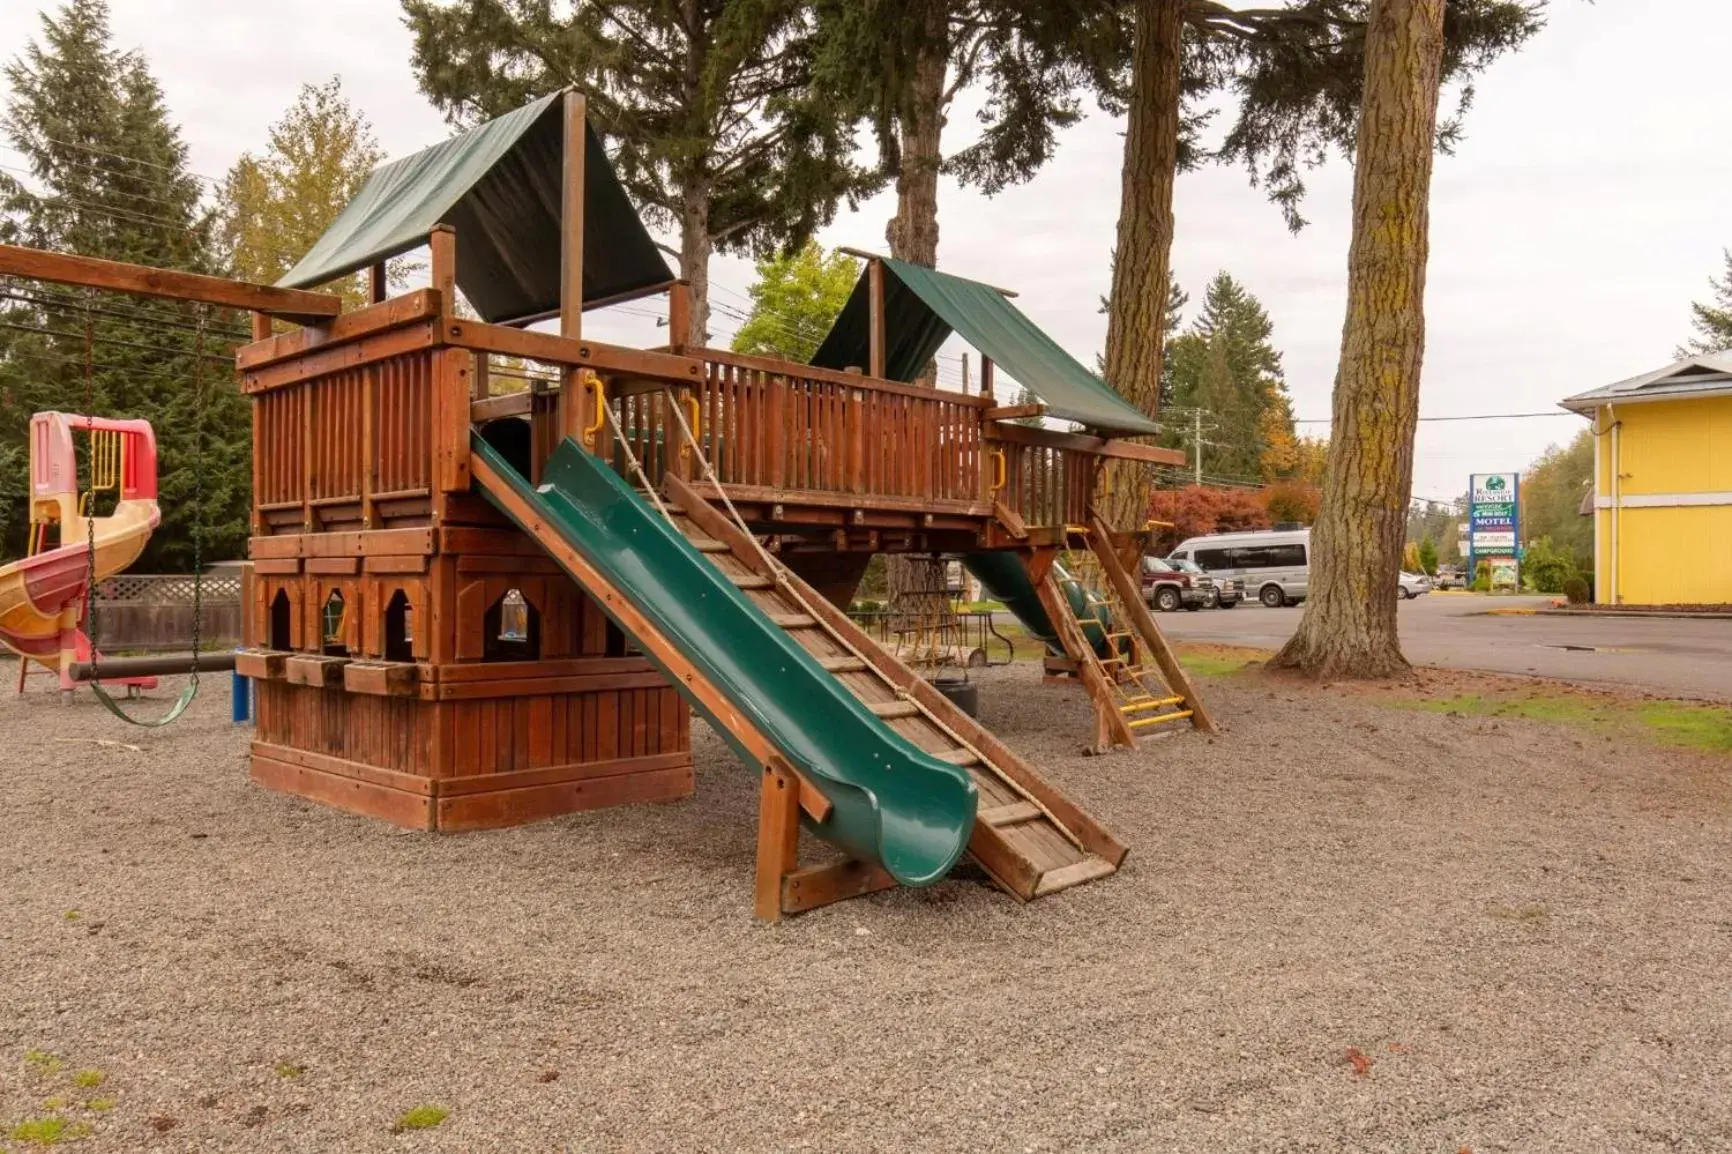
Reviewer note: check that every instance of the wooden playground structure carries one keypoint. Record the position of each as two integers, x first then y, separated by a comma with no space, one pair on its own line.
440,634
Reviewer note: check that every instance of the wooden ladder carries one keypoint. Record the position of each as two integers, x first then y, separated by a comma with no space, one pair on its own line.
1137,686
1029,837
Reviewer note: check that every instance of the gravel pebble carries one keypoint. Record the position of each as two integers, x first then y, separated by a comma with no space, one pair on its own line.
1341,927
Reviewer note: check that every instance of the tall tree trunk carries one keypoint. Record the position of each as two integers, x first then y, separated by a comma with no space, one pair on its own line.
1349,627
1136,322
696,245
913,231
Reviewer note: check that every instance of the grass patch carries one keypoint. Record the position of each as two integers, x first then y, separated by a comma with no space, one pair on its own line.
1686,724
99,1105
43,1062
48,1131
289,1069
89,1079
1531,913
1212,664
421,1118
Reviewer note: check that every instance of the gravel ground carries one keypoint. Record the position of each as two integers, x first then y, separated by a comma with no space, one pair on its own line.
1340,927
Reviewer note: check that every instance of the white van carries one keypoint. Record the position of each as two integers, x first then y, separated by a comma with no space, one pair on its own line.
1274,566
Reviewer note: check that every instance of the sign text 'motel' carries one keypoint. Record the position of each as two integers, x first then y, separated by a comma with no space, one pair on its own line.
1494,523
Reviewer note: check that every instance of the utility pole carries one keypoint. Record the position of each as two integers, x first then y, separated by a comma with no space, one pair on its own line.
1197,446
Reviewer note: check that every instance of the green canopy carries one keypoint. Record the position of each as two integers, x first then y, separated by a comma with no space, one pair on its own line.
498,185
923,307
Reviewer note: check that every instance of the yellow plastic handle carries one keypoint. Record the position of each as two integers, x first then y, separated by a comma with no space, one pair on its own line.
696,414
1001,470
595,383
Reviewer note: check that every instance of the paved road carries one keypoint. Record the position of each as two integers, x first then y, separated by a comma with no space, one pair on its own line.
1692,658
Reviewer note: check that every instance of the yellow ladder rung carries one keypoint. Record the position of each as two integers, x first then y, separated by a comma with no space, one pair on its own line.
1143,705
1178,715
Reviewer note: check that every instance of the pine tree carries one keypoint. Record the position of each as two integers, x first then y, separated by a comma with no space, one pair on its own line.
1226,364
706,104
900,63
108,178
1712,322
1297,70
276,205
1349,625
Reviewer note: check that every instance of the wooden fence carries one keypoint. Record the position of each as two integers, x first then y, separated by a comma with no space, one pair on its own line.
154,612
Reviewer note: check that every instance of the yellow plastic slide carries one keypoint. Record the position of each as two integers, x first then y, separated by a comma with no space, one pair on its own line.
42,596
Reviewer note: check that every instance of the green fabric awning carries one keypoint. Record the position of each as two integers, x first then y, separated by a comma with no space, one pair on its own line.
498,185
922,307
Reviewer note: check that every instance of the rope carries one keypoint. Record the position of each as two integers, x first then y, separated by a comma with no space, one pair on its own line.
785,583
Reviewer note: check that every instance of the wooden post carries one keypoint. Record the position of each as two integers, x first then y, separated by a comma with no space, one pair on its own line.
778,840
679,315
442,244
985,376
261,326
875,312
378,286
483,386
577,405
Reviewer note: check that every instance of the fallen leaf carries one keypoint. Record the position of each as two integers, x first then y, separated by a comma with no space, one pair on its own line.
1360,1063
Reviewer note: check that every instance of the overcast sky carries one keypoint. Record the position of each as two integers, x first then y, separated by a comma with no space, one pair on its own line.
1585,209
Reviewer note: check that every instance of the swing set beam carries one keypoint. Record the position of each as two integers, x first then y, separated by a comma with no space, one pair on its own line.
298,305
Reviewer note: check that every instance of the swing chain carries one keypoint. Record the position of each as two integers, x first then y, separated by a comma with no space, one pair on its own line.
90,614
198,522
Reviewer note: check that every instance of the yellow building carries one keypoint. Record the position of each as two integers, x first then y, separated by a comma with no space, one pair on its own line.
1663,484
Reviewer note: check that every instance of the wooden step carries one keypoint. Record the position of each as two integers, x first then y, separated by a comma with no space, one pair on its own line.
793,620
894,709
708,545
963,757
1010,814
842,664
1075,874
751,581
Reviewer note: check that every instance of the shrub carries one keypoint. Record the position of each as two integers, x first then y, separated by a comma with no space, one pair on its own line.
1546,568
1577,590
1291,501
1482,577
1198,509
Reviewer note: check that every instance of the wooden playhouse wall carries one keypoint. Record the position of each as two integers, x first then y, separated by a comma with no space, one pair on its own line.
425,718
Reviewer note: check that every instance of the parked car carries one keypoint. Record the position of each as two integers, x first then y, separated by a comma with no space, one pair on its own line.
1273,566
1168,588
1447,577
1414,584
1227,592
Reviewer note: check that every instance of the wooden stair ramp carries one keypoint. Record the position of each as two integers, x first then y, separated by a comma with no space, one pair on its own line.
1029,837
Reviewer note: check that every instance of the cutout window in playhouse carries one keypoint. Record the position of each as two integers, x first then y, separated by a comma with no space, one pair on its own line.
512,629
282,621
399,628
332,621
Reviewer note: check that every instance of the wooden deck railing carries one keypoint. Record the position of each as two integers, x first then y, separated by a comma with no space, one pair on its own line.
773,427
365,424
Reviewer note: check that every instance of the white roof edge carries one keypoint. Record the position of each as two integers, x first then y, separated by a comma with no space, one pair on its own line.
1627,389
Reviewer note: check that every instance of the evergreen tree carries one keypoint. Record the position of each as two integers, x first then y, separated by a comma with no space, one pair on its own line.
1297,69
900,63
1712,322
1226,364
108,178
795,301
707,105
275,206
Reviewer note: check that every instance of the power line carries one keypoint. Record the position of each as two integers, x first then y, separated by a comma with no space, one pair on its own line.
1469,417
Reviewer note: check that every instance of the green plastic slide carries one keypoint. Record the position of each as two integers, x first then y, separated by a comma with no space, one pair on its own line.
1006,579
893,804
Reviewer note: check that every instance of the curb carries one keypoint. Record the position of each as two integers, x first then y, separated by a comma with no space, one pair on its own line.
1620,614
